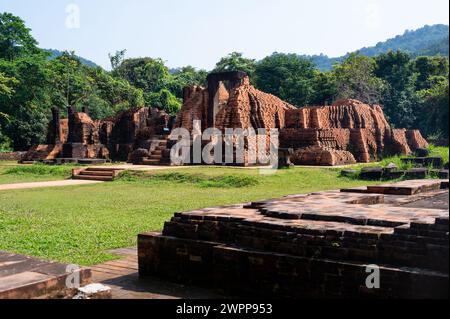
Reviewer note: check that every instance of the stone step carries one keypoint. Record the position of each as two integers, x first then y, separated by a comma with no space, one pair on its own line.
23,277
94,178
151,162
97,173
105,168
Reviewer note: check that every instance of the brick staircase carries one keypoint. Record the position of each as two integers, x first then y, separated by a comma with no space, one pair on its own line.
103,174
161,154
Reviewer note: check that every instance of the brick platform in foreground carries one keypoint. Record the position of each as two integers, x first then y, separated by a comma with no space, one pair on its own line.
23,277
316,245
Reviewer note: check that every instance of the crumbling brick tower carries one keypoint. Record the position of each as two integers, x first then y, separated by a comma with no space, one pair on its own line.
231,102
83,140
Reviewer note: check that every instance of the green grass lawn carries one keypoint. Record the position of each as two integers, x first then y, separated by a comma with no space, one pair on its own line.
78,224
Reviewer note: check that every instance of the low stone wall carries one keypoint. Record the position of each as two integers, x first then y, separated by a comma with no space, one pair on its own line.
11,156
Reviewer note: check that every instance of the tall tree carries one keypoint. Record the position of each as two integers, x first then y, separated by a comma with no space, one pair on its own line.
117,58
186,76
355,79
15,38
6,90
154,78
28,106
325,88
71,84
236,61
287,76
434,107
430,70
395,68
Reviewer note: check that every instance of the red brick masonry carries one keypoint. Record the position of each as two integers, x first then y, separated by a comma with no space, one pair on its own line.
315,245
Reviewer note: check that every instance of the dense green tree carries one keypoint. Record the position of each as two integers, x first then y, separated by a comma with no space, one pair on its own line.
164,100
355,79
434,109
71,84
186,76
27,107
6,85
236,62
150,75
430,71
395,68
154,79
117,58
75,84
6,91
162,88
287,76
15,38
325,88
111,95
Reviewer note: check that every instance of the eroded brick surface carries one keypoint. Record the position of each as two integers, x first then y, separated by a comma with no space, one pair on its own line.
81,137
308,245
346,132
23,277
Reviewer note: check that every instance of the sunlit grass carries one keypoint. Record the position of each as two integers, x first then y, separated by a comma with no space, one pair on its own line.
78,224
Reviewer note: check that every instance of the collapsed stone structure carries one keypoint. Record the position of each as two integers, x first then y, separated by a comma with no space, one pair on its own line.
346,132
230,102
79,137
312,245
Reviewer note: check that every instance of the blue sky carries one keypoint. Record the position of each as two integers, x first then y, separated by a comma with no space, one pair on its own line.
199,32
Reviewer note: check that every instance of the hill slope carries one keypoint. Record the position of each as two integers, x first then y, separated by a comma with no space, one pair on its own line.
429,40
56,53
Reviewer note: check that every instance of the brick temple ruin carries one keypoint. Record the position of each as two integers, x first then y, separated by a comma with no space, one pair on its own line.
79,138
346,132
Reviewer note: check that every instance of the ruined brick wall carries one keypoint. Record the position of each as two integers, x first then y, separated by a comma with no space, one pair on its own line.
348,114
236,106
132,129
416,140
347,125
11,156
242,107
79,136
251,108
194,107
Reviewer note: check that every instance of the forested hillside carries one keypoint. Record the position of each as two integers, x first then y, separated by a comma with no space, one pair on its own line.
53,54
412,89
429,40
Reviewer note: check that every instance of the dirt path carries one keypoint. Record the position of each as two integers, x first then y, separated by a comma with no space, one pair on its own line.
69,182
